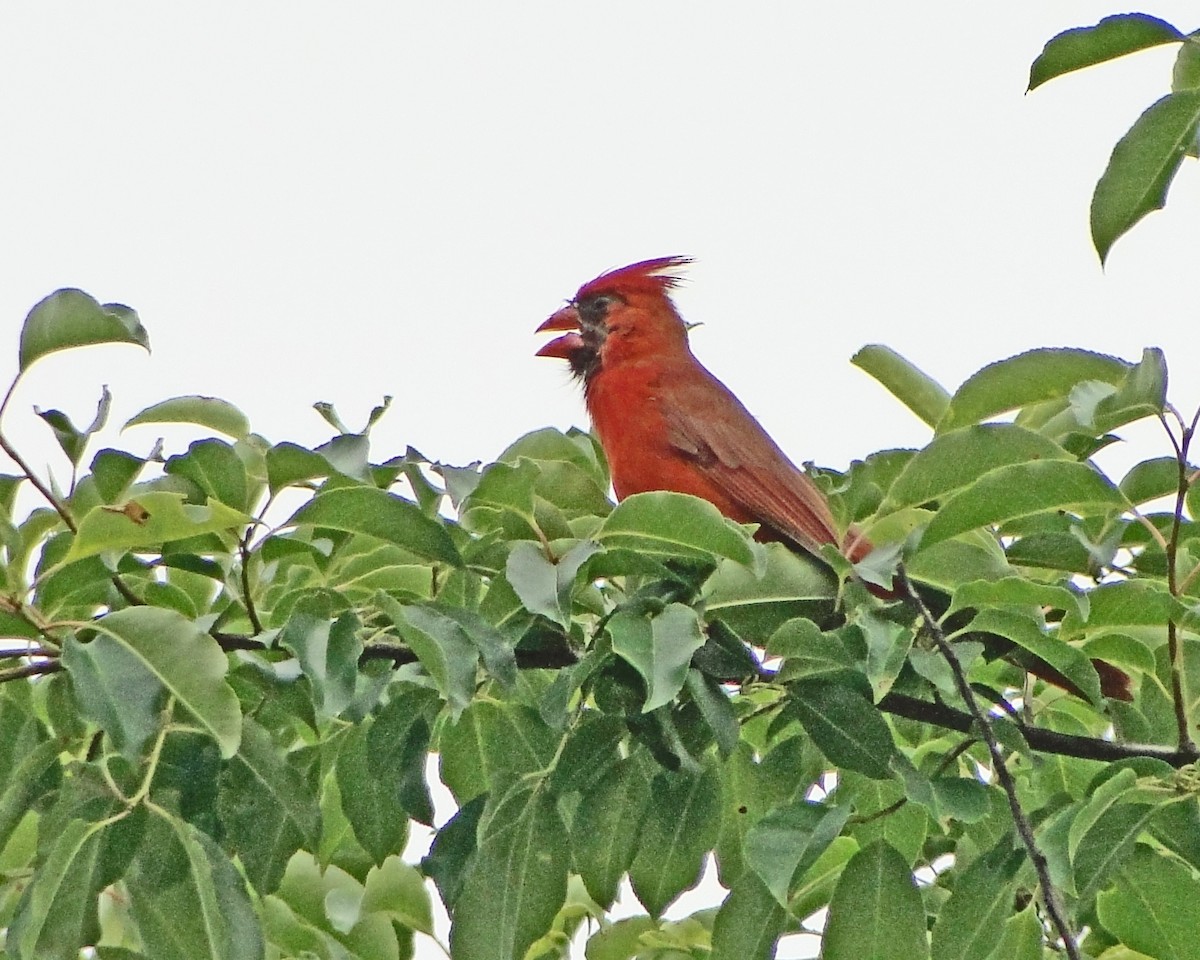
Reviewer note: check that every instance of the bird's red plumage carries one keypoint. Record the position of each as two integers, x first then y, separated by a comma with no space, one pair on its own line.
666,423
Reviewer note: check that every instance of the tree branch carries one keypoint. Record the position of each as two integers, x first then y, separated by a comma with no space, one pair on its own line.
896,704
984,724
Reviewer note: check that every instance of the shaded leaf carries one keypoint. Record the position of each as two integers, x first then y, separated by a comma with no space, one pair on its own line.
189,900
876,911
681,827
604,830
1154,907
268,809
849,730
517,882
660,649
140,649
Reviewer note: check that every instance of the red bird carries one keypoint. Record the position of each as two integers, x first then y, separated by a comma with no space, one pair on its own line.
666,423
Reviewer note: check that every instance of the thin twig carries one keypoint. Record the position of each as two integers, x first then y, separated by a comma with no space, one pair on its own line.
31,670
984,724
1174,648
247,599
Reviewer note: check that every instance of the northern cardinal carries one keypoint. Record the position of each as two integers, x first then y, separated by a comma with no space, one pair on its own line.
666,423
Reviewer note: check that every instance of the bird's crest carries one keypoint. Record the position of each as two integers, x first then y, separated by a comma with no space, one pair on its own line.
644,277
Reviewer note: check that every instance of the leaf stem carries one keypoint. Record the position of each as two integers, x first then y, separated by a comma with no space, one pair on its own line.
1024,828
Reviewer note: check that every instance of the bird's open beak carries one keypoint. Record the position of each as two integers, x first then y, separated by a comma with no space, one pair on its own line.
562,347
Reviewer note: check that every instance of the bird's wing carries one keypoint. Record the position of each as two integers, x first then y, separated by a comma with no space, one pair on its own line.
708,425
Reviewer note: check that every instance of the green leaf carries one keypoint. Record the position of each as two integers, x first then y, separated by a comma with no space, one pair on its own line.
517,882
848,729
876,911
1107,845
1028,634
57,913
659,649
441,646
956,459
753,606
545,588
188,899
70,318
211,412
328,653
398,890
149,520
788,840
1142,166
680,829
289,464
397,746
1112,37
268,809
491,745
30,772
113,471
1031,377
1124,605
1154,907
215,468
1185,75
972,920
1143,393
1020,490
923,395
749,922
1022,937
116,690
1019,592
715,708
604,834
370,800
453,851
1150,480
674,525
69,437
140,647
379,514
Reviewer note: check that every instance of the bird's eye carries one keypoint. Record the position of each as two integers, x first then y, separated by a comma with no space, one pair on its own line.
594,309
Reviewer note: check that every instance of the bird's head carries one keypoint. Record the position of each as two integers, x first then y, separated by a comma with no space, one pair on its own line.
622,315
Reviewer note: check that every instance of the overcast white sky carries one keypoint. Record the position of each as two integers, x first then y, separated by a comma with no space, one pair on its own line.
338,201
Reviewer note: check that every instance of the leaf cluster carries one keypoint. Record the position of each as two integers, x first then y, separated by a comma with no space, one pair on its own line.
233,670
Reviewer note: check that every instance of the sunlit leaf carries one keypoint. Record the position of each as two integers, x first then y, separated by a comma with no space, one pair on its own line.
1020,490
70,318
922,395
1142,166
1112,37
150,519
379,514
211,412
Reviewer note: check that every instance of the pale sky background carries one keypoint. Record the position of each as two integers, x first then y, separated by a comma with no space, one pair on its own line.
339,201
